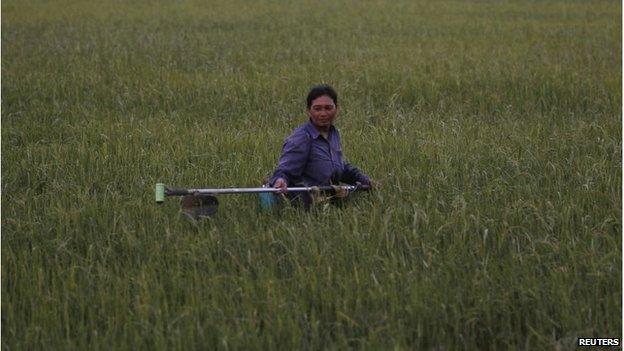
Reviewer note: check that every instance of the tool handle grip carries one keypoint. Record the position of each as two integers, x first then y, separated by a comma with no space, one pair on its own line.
162,191
177,192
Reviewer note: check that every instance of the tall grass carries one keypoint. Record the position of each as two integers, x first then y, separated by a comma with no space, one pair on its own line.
493,127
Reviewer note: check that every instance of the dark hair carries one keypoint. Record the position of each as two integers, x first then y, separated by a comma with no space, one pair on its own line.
321,90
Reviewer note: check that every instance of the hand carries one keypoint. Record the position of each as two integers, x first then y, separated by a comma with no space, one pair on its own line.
281,184
341,192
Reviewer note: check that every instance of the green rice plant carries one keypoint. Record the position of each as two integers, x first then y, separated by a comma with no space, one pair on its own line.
493,128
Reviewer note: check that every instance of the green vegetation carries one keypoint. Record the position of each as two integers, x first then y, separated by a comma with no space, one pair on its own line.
494,128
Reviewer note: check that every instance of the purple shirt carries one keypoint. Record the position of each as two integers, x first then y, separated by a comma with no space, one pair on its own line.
308,159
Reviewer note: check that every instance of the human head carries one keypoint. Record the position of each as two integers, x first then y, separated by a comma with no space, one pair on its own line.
322,105
321,90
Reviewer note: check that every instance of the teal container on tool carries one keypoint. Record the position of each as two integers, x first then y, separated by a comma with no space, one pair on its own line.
267,201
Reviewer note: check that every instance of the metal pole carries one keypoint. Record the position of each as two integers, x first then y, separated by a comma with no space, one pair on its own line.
162,190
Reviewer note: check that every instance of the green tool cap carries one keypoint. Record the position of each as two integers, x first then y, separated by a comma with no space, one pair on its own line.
160,193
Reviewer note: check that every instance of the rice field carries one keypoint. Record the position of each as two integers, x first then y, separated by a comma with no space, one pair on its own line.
493,127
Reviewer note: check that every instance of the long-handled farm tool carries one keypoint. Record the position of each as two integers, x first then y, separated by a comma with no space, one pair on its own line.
201,203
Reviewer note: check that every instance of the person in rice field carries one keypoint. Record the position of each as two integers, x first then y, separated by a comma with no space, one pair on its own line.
312,155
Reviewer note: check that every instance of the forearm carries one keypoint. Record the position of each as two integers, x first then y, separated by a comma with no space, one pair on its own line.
353,175
292,162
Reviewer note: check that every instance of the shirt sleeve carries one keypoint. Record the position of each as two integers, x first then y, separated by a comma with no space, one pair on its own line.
352,175
293,160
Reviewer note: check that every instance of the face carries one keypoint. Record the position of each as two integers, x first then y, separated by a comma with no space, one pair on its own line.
323,111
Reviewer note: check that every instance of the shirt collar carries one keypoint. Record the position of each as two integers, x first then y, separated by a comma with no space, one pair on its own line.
314,133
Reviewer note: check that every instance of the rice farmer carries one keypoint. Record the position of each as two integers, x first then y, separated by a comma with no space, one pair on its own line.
312,154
